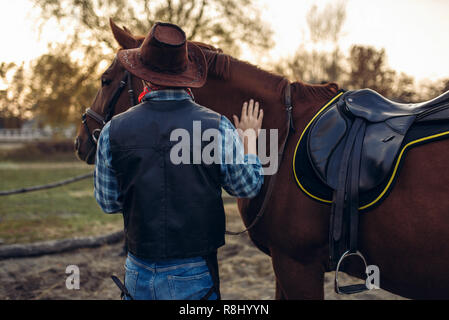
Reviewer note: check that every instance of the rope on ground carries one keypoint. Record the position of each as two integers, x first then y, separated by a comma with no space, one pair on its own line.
47,186
57,246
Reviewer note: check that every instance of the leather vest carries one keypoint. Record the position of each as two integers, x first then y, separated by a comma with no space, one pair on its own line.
170,211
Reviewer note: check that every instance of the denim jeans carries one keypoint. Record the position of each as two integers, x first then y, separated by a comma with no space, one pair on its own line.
179,279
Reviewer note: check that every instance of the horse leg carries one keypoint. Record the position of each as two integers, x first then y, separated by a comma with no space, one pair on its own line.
296,280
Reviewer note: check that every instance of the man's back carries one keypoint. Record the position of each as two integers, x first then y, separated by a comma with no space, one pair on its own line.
174,216
170,210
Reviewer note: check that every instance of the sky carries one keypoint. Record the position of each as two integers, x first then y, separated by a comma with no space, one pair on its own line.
414,33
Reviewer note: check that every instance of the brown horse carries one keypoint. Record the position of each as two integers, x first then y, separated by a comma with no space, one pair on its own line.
407,237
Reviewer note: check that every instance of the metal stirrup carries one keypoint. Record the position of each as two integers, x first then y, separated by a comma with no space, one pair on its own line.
350,289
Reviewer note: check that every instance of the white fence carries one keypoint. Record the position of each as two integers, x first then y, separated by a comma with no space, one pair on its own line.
23,135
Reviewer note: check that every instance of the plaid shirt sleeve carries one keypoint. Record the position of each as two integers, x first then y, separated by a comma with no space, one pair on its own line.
106,189
242,175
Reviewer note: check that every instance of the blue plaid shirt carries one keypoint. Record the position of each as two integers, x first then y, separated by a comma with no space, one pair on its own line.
242,179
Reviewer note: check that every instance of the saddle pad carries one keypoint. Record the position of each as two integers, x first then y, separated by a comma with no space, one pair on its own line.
312,185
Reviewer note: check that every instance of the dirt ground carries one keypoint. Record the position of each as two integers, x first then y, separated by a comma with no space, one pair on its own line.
246,273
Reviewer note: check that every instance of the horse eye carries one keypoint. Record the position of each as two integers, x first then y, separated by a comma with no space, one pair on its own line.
105,82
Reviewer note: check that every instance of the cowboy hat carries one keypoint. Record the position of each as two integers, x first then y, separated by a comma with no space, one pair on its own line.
165,58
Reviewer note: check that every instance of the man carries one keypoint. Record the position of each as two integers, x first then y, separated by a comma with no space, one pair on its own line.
174,215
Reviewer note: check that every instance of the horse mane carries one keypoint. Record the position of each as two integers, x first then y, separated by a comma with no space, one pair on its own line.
315,91
219,65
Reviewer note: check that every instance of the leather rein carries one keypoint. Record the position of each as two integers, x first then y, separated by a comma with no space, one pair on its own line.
110,109
290,129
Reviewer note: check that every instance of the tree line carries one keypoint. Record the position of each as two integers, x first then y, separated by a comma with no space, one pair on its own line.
57,86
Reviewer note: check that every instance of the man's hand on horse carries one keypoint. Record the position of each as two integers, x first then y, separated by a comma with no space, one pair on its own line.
249,125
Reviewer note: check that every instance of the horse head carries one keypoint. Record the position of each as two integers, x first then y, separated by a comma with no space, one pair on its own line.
117,93
230,82
111,98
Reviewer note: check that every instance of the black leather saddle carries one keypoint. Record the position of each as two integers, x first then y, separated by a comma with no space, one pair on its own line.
386,123
372,106
354,146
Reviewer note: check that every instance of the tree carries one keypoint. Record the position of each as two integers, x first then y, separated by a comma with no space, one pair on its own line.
61,88
404,89
368,69
433,89
225,23
312,66
61,83
322,60
325,26
13,99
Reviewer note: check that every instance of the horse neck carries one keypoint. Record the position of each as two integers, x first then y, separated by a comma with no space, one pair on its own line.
226,94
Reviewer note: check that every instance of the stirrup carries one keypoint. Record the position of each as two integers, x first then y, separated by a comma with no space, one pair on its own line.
354,288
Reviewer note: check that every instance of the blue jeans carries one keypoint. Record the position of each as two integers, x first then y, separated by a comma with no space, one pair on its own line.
179,279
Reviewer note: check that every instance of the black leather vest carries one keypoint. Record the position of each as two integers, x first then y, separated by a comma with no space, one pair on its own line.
170,211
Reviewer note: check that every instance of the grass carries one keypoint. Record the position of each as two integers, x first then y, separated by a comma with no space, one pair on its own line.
42,151
58,213
64,212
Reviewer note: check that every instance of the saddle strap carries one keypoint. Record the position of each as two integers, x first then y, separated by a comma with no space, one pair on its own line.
346,196
340,192
353,200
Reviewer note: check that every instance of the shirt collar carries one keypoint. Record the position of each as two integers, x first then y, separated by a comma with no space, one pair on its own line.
168,94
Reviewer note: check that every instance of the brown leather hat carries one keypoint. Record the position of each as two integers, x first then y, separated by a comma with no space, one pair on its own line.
165,58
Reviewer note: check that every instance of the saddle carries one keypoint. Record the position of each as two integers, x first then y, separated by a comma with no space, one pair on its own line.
384,125
350,153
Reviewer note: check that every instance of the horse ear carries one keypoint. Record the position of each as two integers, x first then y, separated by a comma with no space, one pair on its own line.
124,38
127,30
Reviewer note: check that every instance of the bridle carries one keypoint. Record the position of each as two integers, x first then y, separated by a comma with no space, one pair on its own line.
109,110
